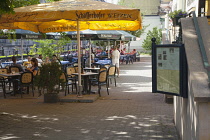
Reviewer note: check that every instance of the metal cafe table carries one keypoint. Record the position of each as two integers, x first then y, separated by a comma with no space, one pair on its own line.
86,76
3,64
91,69
13,76
102,62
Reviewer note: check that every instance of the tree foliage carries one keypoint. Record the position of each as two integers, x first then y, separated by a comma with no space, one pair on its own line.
156,33
49,78
139,32
7,6
49,47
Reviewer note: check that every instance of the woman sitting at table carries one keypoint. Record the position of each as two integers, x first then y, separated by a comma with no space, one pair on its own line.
34,68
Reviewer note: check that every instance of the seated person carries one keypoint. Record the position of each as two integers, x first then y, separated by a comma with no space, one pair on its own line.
103,53
133,52
55,59
39,59
47,60
14,59
27,63
34,68
122,52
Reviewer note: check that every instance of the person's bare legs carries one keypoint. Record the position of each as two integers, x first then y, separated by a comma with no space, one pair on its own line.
118,71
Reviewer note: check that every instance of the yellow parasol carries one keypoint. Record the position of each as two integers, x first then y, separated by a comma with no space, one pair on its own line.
73,15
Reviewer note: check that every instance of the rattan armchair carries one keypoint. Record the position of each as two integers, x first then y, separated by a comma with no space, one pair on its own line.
2,84
68,82
26,80
111,74
5,78
101,80
14,68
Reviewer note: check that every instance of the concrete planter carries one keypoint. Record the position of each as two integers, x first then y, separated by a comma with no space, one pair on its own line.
51,98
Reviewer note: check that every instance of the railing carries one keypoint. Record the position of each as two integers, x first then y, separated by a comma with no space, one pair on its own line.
201,46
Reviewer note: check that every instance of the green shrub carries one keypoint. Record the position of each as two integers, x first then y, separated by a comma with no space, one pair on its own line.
156,33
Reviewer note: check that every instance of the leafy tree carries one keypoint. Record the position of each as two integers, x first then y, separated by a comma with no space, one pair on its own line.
46,48
156,33
139,32
49,47
60,43
7,6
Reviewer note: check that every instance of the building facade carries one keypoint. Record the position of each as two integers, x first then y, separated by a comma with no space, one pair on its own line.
191,114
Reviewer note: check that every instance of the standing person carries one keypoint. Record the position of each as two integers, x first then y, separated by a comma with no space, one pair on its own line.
34,68
116,59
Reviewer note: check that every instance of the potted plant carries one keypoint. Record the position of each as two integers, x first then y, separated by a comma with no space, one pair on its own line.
48,81
176,15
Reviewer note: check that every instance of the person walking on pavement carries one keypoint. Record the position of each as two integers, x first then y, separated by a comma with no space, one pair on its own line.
116,60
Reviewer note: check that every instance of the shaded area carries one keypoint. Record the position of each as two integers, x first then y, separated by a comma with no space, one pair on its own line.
108,127
130,112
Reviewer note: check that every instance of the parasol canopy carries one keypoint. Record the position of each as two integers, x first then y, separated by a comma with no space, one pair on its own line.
62,15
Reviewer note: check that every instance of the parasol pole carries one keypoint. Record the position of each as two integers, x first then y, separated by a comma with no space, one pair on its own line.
120,45
109,48
90,53
79,59
21,48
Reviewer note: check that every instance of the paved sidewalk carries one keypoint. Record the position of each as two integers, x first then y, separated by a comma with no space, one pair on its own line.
130,112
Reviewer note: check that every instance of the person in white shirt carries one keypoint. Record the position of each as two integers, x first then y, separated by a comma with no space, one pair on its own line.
39,59
116,60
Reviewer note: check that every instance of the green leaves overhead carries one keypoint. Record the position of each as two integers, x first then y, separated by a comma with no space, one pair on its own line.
49,47
7,6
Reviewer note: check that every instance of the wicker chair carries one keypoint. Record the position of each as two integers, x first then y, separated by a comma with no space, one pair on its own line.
5,78
67,82
14,68
7,67
3,71
26,80
101,80
111,74
2,84
76,69
69,71
102,68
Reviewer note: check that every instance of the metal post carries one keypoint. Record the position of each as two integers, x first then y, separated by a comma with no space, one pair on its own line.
90,52
79,59
21,48
109,49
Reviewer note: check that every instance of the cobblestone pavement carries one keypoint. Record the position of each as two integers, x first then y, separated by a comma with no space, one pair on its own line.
130,112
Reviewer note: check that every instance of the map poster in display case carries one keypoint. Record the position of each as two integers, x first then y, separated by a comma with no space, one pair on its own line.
169,69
